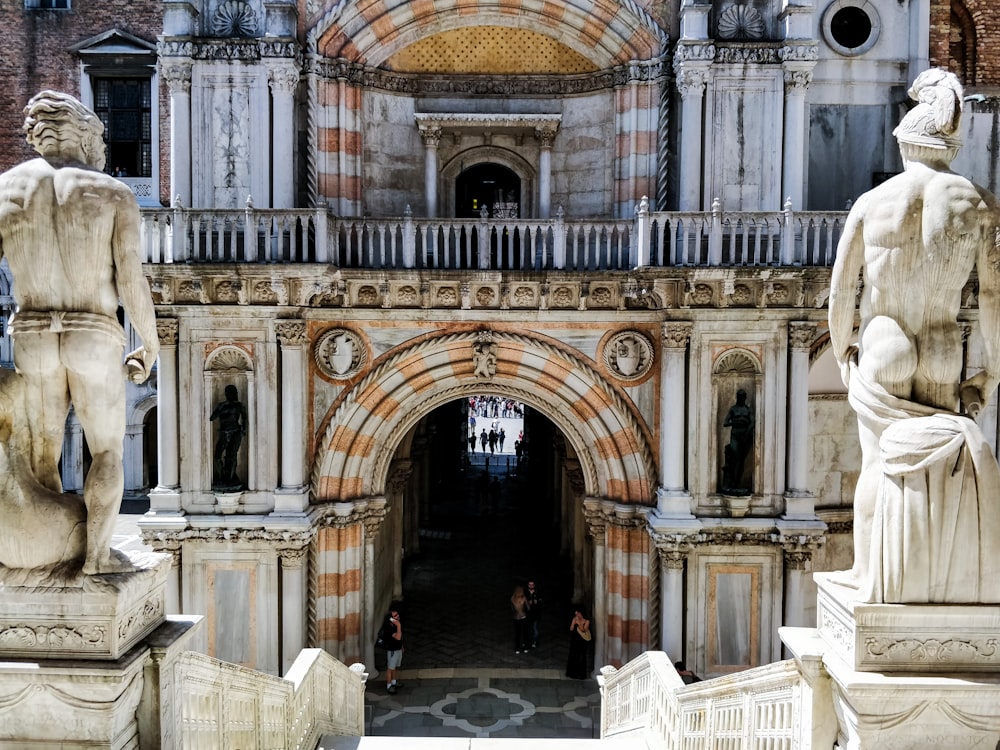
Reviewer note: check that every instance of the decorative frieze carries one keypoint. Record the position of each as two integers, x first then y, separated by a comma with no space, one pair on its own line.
228,50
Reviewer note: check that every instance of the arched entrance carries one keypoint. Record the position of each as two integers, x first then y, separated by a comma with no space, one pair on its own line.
488,185
362,481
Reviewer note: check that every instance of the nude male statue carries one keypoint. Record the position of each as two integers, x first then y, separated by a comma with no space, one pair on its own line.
70,234
917,238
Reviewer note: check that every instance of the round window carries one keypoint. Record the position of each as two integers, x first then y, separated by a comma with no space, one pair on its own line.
851,27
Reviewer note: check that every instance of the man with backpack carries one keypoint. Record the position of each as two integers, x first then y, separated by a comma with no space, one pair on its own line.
390,637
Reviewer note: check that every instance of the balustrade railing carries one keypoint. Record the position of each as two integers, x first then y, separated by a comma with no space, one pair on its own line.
751,710
652,239
225,705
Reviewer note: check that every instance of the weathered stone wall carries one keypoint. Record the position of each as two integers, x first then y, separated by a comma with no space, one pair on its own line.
985,20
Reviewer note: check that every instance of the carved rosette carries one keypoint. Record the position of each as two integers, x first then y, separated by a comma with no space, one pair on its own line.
676,335
801,335
166,331
234,18
628,355
291,333
340,353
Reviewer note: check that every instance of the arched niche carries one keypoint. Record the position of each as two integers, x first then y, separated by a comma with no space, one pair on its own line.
230,365
479,155
735,371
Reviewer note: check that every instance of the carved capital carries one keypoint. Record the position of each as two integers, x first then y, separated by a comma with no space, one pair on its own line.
283,79
431,136
399,477
797,81
801,335
797,559
574,473
291,332
676,335
545,136
177,75
166,331
293,557
691,82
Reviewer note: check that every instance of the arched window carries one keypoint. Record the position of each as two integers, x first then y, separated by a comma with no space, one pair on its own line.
962,44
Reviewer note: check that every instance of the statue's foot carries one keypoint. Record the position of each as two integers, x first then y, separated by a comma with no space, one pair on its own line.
116,563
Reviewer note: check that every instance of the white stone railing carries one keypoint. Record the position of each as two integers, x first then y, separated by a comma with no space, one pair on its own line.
217,704
661,239
751,710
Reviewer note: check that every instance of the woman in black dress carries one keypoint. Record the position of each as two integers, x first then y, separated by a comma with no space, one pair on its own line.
579,644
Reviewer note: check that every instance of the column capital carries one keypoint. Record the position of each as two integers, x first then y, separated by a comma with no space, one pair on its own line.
399,476
177,75
796,80
574,473
291,332
801,334
676,334
293,557
431,136
166,331
545,136
283,79
797,559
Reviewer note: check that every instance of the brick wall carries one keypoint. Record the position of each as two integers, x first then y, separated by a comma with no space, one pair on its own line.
36,56
984,18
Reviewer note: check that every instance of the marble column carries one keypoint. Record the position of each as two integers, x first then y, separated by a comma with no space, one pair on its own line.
545,138
672,498
672,560
166,495
691,84
178,78
283,80
597,528
172,594
293,602
399,480
432,138
293,495
372,522
796,572
799,501
133,458
797,81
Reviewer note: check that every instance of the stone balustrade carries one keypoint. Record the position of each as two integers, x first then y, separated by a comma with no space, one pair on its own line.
653,239
750,710
219,704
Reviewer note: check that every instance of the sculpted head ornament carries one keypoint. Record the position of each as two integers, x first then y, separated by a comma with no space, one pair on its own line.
58,125
936,120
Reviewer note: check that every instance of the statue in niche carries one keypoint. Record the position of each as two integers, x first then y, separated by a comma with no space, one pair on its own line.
232,416
70,234
927,503
484,356
740,421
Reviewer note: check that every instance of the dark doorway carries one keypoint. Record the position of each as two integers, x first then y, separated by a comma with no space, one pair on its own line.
491,185
487,523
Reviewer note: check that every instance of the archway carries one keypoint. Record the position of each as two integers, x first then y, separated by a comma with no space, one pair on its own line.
491,186
361,481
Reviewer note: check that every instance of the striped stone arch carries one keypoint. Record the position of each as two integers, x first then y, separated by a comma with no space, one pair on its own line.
606,32
364,428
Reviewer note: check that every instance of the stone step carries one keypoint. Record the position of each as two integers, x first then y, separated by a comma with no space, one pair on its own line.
477,743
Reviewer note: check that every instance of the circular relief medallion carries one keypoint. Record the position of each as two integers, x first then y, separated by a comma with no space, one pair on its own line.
340,353
628,355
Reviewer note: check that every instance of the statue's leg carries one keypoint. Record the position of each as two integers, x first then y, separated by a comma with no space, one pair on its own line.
46,402
97,388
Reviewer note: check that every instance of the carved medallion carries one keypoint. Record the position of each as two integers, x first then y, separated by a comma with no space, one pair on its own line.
234,18
628,355
340,353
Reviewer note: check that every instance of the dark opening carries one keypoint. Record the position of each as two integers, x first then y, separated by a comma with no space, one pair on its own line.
851,27
490,185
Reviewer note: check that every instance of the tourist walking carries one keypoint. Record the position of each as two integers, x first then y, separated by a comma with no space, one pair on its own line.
534,612
519,608
390,637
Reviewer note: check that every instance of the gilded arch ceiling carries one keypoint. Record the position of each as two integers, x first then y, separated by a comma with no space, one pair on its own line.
604,32
365,427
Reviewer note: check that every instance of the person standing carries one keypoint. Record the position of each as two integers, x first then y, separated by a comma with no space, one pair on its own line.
519,607
534,612
579,645
501,436
391,635
484,439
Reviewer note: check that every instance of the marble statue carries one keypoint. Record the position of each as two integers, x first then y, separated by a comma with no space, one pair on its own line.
927,504
740,421
232,416
70,234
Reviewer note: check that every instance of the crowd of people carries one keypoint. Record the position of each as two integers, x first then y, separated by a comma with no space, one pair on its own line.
495,407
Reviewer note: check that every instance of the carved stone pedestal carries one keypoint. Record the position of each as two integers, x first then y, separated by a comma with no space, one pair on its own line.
120,703
90,617
907,637
901,677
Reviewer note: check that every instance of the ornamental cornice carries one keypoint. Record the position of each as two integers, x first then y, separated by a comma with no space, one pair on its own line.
229,50
744,53
167,540
367,511
693,52
486,85
804,52
491,122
